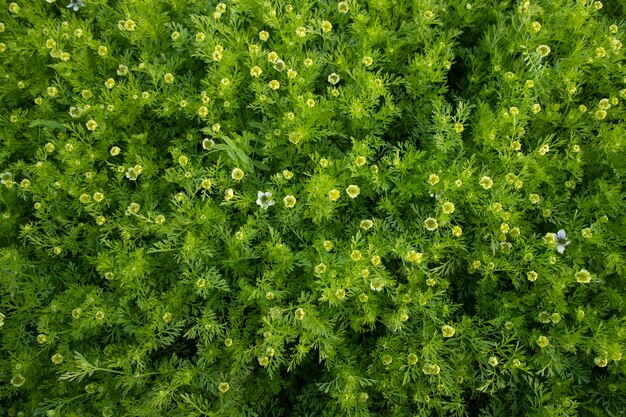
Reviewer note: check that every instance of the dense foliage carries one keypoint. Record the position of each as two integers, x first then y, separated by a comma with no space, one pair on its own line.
355,208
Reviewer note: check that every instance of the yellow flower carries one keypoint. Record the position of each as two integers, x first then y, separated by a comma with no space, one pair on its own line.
343,7
308,62
601,114
600,52
543,50
431,224
457,231
433,179
535,108
353,191
299,313
290,201
256,71
200,37
50,43
366,224
292,73
102,50
159,219
387,359
586,232
237,174
530,83
320,268
534,198
334,194
14,8
326,26
458,127
310,102
287,174
448,207
356,255
272,57
375,260
223,387
601,361
206,184
229,194
448,331
413,256
532,276
263,361
98,197
133,208
217,56
52,91
367,61
263,35
301,32
328,245
486,182
57,358
542,341
536,26
412,358
583,276
42,338
360,160
203,111
130,25
85,198
100,220
516,146
109,83
169,78
91,125
274,85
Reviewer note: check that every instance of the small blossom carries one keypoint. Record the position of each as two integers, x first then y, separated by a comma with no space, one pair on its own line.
448,207
333,78
583,276
98,197
237,174
272,57
376,285
57,358
356,255
375,260
203,111
367,61
413,256
263,35
353,191
486,182
200,37
85,198
431,224
535,108
586,232
333,195
91,125
169,78
343,7
534,198
366,224
532,276
274,84
543,50
229,194
223,387
14,8
326,26
301,32
291,73
457,231
536,26
299,313
601,114
256,71
493,361
264,199
601,361
542,341
448,331
289,201
102,50
18,380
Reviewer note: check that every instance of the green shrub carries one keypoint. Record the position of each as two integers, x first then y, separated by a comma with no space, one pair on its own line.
377,208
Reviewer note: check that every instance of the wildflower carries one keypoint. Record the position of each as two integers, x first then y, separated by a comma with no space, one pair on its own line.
542,341
412,358
320,268
586,232
543,50
206,184
100,315
42,338
583,276
375,260
561,239
343,7
274,84
530,84
256,71
292,73
376,285
333,195
264,199
428,15
555,317
356,255
366,224
272,57
133,208
448,207
159,219
203,111
169,78
493,361
413,256
52,91
133,172
326,26
299,313
167,317
333,78
237,174
431,224
310,102
14,8
457,231
431,369
535,108
353,191
458,127
536,26
263,35
18,380
534,198
340,294
217,56
183,160
387,359
102,50
516,146
85,198
207,143
223,387
263,361
301,32
308,62
200,37
600,114
601,361
532,276
600,52
448,331
57,358
228,194
65,56
289,201
486,182
367,61
98,197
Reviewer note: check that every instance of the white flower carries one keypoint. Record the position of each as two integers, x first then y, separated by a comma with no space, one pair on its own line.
265,199
561,240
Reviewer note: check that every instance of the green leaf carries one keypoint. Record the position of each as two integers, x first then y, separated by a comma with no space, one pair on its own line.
51,124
